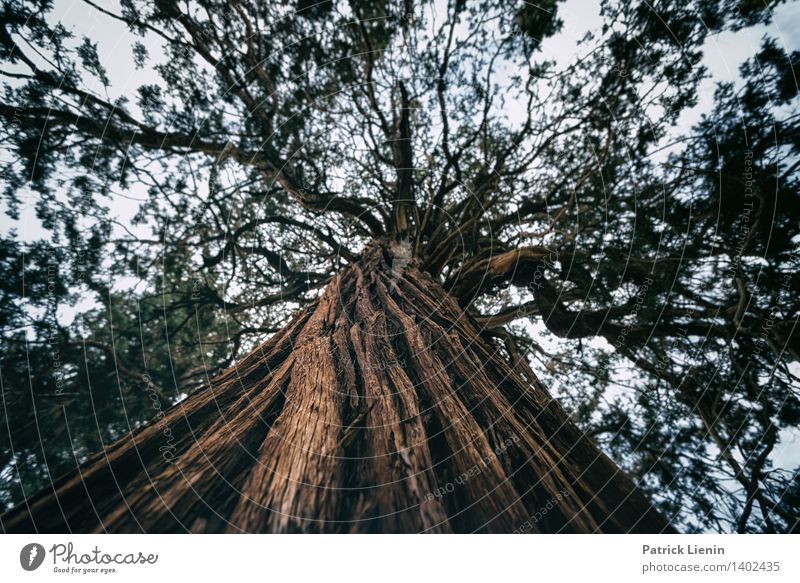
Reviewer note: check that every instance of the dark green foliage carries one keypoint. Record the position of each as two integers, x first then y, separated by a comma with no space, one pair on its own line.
181,221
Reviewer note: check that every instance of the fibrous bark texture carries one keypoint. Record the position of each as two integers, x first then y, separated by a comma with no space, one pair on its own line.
379,408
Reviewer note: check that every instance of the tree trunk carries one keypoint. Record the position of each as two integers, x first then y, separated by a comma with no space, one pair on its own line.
379,408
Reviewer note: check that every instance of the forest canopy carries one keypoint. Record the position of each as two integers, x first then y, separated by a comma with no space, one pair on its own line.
173,196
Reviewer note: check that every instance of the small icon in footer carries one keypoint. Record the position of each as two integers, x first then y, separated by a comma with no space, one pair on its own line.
31,556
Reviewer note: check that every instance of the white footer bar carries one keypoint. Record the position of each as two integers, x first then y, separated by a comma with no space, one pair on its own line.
398,558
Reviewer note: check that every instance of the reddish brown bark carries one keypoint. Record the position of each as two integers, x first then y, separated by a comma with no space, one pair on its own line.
379,408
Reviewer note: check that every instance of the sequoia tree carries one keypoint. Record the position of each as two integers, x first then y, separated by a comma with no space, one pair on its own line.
289,282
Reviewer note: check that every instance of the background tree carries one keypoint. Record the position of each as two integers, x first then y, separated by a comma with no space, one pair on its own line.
507,188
